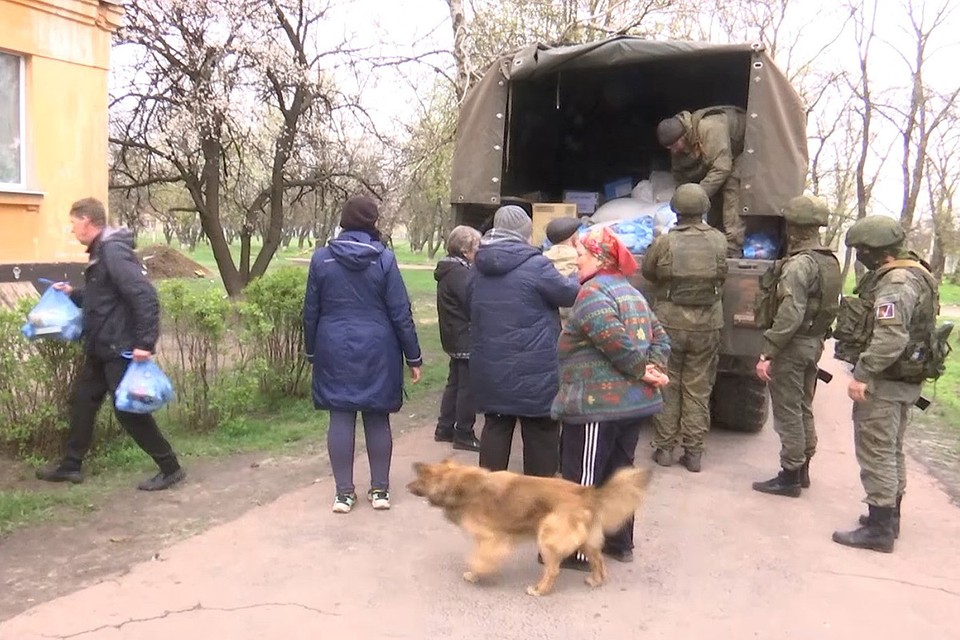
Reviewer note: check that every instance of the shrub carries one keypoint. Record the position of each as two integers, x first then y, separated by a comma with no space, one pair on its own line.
274,331
35,379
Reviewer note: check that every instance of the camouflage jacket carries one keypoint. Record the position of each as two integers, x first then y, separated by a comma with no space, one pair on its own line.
900,293
799,283
714,140
683,317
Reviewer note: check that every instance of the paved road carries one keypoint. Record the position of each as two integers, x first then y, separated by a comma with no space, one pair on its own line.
715,560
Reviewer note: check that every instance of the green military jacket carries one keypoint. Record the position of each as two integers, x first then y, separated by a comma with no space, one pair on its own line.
714,140
901,294
800,286
687,317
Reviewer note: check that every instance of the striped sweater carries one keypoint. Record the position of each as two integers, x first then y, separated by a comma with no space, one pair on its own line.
606,344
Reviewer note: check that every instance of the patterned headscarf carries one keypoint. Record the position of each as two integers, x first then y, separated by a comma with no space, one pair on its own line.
607,247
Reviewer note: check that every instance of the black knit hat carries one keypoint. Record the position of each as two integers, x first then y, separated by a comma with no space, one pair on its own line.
559,229
359,213
669,131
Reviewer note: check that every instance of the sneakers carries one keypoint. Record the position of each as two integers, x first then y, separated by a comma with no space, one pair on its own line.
56,472
344,502
379,499
162,481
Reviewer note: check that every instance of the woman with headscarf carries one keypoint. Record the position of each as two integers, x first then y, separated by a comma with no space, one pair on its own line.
613,355
358,329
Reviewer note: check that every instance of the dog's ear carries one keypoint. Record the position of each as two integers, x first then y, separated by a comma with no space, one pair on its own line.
418,467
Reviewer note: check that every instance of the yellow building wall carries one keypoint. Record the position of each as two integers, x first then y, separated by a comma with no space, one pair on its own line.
66,46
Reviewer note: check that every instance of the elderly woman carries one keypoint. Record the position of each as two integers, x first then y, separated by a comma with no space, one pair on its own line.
613,353
358,329
458,412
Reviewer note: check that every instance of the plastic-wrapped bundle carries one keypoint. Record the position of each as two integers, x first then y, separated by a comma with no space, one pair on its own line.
635,233
144,388
760,246
54,316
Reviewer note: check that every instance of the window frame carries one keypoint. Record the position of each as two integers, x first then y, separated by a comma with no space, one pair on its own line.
21,82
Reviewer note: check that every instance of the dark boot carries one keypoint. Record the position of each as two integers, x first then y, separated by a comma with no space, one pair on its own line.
620,555
876,535
443,435
466,441
60,472
162,481
663,457
786,483
805,475
895,521
691,460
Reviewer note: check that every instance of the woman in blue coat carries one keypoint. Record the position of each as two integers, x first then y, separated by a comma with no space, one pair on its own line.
358,329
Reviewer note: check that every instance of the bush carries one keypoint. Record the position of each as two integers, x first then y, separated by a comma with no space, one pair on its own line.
274,331
35,379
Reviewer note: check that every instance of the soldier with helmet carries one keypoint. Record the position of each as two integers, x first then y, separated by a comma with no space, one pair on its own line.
889,334
804,300
705,147
688,266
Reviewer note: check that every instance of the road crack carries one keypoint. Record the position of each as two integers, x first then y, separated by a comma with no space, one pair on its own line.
906,583
197,607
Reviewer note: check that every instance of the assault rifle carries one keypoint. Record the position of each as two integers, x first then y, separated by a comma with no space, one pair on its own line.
921,403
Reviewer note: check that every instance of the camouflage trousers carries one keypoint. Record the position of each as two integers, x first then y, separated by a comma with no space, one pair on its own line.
725,208
692,368
878,428
793,382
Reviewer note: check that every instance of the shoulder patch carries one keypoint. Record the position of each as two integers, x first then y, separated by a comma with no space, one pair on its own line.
887,311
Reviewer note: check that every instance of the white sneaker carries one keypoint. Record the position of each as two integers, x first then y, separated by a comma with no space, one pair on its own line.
379,498
344,502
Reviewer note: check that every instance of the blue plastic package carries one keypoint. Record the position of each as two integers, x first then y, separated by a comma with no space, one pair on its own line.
760,246
54,316
144,388
636,234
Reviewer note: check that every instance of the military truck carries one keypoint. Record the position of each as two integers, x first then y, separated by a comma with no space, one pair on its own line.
547,119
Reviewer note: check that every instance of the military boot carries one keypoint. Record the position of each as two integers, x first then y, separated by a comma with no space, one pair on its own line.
663,457
691,460
785,483
805,475
876,535
895,521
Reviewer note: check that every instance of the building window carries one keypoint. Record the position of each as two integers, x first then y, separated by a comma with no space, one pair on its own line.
12,128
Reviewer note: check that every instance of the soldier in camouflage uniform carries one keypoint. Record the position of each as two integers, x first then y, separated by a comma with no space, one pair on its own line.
705,147
886,333
688,266
807,298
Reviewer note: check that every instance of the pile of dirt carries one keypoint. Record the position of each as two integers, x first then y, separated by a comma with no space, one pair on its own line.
162,261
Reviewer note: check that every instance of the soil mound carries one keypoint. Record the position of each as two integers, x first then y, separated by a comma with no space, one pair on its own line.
162,261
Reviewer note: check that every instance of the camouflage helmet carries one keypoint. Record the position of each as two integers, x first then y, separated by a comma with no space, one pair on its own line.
875,232
690,200
806,211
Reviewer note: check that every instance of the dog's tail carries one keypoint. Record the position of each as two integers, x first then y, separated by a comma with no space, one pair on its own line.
620,496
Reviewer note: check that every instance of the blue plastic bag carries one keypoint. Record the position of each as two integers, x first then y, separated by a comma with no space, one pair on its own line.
54,316
636,234
760,246
144,388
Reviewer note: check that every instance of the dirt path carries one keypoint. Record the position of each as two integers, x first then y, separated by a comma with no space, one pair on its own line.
714,560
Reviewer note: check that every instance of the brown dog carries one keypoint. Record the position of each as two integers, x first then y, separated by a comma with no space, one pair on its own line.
499,508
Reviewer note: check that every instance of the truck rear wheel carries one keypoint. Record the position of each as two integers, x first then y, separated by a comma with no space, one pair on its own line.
739,403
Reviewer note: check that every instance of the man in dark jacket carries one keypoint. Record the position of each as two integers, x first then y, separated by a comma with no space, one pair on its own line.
121,316
458,411
514,327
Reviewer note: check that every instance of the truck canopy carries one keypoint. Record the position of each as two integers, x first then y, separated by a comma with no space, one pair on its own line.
544,119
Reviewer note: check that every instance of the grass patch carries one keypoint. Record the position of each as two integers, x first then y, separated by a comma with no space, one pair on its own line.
945,392
19,508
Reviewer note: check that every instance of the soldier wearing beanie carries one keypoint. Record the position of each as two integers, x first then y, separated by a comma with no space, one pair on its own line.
704,148
688,266
514,327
